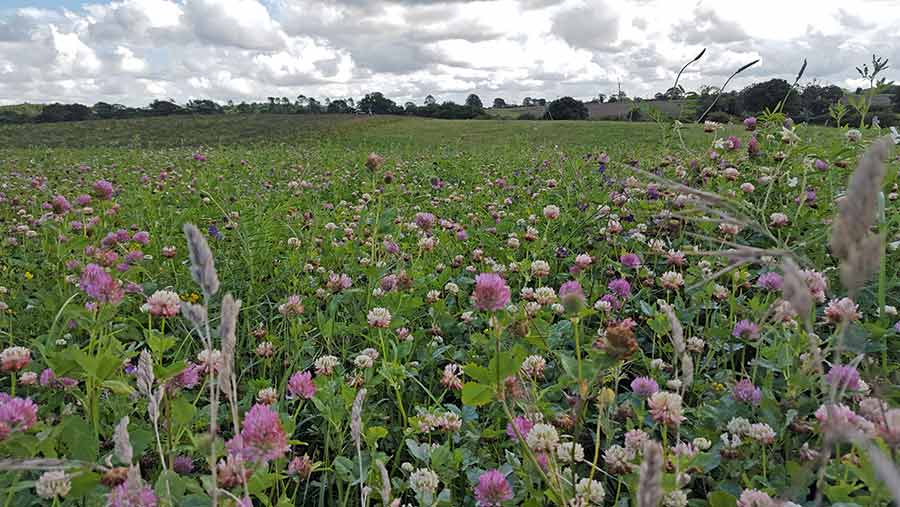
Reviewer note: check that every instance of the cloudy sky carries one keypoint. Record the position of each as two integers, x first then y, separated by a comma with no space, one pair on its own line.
132,51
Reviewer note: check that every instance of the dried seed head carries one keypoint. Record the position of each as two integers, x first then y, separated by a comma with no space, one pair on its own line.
153,404
230,309
677,330
687,370
196,314
203,268
356,417
650,480
385,483
145,377
794,289
857,210
122,442
861,263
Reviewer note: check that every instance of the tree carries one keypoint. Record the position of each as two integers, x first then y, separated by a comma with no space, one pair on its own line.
759,96
566,108
601,97
474,101
499,103
815,99
339,106
104,110
527,102
540,102
377,103
204,106
429,100
410,108
63,112
674,93
895,99
313,106
164,108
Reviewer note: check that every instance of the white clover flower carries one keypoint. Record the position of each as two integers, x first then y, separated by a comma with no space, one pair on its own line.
677,498
424,481
570,452
542,438
590,491
738,426
54,483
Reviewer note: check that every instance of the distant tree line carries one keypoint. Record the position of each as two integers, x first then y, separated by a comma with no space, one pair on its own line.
811,103
372,103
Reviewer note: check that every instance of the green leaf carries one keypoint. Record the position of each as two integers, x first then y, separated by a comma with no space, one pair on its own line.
440,457
344,468
480,373
182,411
175,485
375,433
707,461
476,394
83,484
721,499
118,387
79,439
159,343
560,334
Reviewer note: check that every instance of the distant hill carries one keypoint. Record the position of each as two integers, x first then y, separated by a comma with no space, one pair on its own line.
24,109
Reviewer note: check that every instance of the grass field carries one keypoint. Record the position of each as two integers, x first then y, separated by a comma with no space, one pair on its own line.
432,312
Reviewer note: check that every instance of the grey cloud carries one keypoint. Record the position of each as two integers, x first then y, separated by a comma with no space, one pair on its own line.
594,27
708,27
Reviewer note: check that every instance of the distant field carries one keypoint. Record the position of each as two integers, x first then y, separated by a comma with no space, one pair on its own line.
606,111
235,130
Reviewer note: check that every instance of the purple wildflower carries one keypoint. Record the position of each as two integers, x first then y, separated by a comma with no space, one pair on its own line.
103,189
493,489
571,292
746,330
843,377
98,284
644,386
300,385
17,414
60,205
491,292
142,237
770,281
746,392
127,495
520,423
262,438
183,465
425,221
620,287
630,260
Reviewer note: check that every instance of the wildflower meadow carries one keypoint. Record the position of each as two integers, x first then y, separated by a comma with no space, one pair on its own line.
393,311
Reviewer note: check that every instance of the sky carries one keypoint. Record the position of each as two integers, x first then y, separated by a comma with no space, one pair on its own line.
133,51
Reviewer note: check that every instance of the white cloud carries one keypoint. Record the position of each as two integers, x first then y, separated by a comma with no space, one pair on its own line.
132,51
72,55
129,62
245,24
